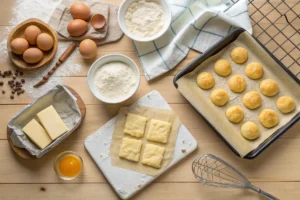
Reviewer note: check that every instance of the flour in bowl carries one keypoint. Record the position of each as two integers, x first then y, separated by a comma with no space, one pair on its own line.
115,81
144,18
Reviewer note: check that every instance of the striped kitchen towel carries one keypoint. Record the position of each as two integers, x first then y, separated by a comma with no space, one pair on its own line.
196,24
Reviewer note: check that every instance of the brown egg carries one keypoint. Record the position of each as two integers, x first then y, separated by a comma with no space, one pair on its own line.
31,33
44,41
77,27
32,55
19,45
88,49
80,10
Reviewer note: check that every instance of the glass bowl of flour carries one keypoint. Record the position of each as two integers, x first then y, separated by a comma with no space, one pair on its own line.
144,20
113,78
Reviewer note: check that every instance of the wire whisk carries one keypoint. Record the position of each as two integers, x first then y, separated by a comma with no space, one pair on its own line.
213,171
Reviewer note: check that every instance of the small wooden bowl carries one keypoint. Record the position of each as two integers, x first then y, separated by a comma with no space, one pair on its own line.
18,31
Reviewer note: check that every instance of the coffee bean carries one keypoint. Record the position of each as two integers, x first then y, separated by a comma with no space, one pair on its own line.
12,97
3,92
23,80
14,77
1,83
21,73
13,92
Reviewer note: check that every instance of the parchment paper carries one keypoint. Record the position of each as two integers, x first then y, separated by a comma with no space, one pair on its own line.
64,103
149,113
216,115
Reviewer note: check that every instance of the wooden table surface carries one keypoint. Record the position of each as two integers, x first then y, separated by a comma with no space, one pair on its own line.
276,170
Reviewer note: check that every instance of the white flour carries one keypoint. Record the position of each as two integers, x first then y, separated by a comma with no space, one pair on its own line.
144,18
115,80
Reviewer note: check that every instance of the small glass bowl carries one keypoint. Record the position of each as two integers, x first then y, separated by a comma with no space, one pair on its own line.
57,160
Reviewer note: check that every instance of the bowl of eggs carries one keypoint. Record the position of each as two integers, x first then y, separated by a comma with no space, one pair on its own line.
32,44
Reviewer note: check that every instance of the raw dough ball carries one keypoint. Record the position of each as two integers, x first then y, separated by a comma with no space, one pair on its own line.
268,87
239,55
285,104
237,83
268,118
205,80
222,67
219,97
252,100
235,114
254,70
249,130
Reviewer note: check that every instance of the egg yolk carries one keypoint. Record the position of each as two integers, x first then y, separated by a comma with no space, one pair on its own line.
69,166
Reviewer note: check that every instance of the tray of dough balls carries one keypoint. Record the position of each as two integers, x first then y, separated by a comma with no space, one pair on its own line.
244,93
139,144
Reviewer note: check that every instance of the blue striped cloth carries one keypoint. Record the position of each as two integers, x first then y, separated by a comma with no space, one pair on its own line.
196,24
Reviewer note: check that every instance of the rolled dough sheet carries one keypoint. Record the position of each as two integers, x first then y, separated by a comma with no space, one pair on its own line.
216,115
150,113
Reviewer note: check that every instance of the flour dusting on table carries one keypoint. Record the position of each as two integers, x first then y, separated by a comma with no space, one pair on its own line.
23,10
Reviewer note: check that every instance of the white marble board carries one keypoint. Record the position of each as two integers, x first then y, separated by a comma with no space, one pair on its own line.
126,182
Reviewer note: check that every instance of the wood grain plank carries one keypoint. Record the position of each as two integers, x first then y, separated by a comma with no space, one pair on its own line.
155,191
164,85
267,167
98,115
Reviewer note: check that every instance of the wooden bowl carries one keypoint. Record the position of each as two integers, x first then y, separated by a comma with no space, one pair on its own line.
18,31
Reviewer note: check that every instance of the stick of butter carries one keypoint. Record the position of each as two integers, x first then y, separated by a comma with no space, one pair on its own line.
37,134
52,122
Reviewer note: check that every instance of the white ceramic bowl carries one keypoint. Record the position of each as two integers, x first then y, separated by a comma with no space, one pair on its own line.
108,59
121,18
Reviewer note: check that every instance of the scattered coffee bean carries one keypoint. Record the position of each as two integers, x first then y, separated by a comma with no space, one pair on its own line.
14,77
12,97
13,92
21,73
3,75
3,92
23,80
1,83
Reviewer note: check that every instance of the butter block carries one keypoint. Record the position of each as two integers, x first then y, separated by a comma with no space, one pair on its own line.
153,155
52,122
130,149
135,125
158,131
37,134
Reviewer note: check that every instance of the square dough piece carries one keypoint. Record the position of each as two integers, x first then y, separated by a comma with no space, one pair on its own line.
130,149
158,131
153,155
135,125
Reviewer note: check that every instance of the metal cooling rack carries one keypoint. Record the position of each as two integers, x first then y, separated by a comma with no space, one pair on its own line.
276,25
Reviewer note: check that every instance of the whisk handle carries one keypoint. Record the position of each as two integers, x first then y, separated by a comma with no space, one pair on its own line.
263,193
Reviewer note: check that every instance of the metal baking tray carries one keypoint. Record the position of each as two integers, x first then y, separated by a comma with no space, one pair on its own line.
214,50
